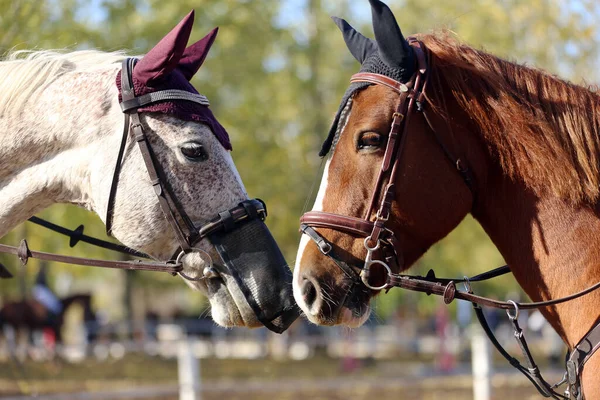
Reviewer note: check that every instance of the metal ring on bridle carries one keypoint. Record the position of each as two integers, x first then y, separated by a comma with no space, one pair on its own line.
514,316
200,252
364,275
369,248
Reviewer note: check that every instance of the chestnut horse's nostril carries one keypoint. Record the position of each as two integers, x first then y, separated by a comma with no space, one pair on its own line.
311,294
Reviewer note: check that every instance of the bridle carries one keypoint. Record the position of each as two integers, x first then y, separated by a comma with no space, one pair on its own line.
379,237
186,233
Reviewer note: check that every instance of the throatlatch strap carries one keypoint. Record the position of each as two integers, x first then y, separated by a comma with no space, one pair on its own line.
113,187
161,188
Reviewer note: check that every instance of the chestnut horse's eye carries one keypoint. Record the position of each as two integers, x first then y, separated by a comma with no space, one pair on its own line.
194,152
370,141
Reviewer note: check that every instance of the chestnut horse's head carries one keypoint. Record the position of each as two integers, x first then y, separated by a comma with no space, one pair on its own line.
389,169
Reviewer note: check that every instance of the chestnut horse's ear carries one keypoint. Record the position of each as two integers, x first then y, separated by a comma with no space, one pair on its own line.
393,48
194,56
359,46
165,56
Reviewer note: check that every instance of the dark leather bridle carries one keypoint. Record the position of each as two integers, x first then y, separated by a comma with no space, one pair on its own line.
186,233
378,237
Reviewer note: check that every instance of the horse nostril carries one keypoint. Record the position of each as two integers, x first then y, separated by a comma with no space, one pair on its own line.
309,292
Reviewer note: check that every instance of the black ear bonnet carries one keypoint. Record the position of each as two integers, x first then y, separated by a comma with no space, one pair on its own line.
389,54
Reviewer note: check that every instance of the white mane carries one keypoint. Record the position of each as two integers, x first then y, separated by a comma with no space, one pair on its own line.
22,73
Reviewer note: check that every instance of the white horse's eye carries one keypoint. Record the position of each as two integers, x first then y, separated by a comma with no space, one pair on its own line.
194,152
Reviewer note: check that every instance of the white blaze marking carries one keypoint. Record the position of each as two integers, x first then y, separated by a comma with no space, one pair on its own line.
304,240
318,206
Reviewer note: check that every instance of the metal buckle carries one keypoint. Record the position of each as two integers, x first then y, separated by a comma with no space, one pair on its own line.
398,115
324,246
382,218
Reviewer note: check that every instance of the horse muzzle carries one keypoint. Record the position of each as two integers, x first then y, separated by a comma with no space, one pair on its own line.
250,255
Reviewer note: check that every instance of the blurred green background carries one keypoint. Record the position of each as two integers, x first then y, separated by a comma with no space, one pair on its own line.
275,77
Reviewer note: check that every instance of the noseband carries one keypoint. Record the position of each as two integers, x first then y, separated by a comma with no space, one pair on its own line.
378,236
186,233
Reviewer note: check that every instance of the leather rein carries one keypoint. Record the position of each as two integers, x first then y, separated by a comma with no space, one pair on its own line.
187,235
381,240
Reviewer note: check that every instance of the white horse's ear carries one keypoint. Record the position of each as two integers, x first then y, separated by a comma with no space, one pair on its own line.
194,56
165,56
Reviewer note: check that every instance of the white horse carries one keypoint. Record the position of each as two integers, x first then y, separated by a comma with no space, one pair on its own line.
60,131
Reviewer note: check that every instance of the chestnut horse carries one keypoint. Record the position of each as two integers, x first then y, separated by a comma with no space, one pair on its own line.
514,146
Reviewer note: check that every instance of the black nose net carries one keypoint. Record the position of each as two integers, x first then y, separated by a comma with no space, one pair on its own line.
254,260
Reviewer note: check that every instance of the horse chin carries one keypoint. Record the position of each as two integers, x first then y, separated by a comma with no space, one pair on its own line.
229,307
354,318
349,317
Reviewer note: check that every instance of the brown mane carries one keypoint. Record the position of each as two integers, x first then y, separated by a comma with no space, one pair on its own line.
543,130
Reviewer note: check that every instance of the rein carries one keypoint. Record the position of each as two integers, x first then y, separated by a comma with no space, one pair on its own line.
172,209
379,239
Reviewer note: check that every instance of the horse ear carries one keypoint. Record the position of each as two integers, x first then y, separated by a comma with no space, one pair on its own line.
194,56
359,46
393,48
164,57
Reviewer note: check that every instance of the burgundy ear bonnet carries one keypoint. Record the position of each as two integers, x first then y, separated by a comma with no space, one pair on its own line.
171,65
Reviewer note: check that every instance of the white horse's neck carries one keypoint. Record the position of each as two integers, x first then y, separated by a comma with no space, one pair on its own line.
49,147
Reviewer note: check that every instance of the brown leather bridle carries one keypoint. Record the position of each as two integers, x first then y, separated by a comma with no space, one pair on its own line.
377,236
187,235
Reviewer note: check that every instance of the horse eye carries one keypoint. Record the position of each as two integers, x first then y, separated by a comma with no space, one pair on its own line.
370,140
194,152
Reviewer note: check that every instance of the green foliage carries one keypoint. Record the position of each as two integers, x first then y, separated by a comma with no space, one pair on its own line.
274,77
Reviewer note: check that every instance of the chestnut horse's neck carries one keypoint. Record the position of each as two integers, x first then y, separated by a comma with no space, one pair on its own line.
551,245
536,207
553,250
532,142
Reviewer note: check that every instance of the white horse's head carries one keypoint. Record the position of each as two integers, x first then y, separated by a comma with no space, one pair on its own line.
74,112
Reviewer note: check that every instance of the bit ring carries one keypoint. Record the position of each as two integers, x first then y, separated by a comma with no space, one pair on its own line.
364,275
203,255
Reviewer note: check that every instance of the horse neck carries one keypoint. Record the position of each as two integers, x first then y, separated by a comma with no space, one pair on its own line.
48,154
552,247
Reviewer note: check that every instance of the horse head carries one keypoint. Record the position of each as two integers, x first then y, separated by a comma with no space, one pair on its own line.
424,196
158,198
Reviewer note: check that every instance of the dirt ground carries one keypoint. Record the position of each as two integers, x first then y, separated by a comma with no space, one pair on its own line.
318,378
